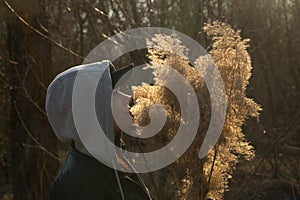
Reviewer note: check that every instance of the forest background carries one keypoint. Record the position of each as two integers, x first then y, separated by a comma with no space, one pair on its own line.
40,38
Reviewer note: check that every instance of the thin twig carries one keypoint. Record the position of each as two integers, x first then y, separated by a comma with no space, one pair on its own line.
39,32
265,156
212,166
150,174
38,107
30,134
90,20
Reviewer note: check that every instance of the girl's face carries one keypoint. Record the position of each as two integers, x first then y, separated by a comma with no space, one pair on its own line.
120,108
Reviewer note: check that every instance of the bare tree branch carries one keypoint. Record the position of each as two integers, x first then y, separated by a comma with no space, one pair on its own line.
39,32
39,145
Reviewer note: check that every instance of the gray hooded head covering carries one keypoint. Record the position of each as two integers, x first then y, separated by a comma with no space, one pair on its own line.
63,93
74,115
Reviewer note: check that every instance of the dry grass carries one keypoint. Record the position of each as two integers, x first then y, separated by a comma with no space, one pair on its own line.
190,177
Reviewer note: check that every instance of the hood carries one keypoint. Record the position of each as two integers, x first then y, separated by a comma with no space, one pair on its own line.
61,97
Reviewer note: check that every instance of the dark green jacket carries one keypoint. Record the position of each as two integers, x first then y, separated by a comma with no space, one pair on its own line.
83,177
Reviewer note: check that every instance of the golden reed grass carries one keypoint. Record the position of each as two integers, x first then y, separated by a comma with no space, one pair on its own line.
191,177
